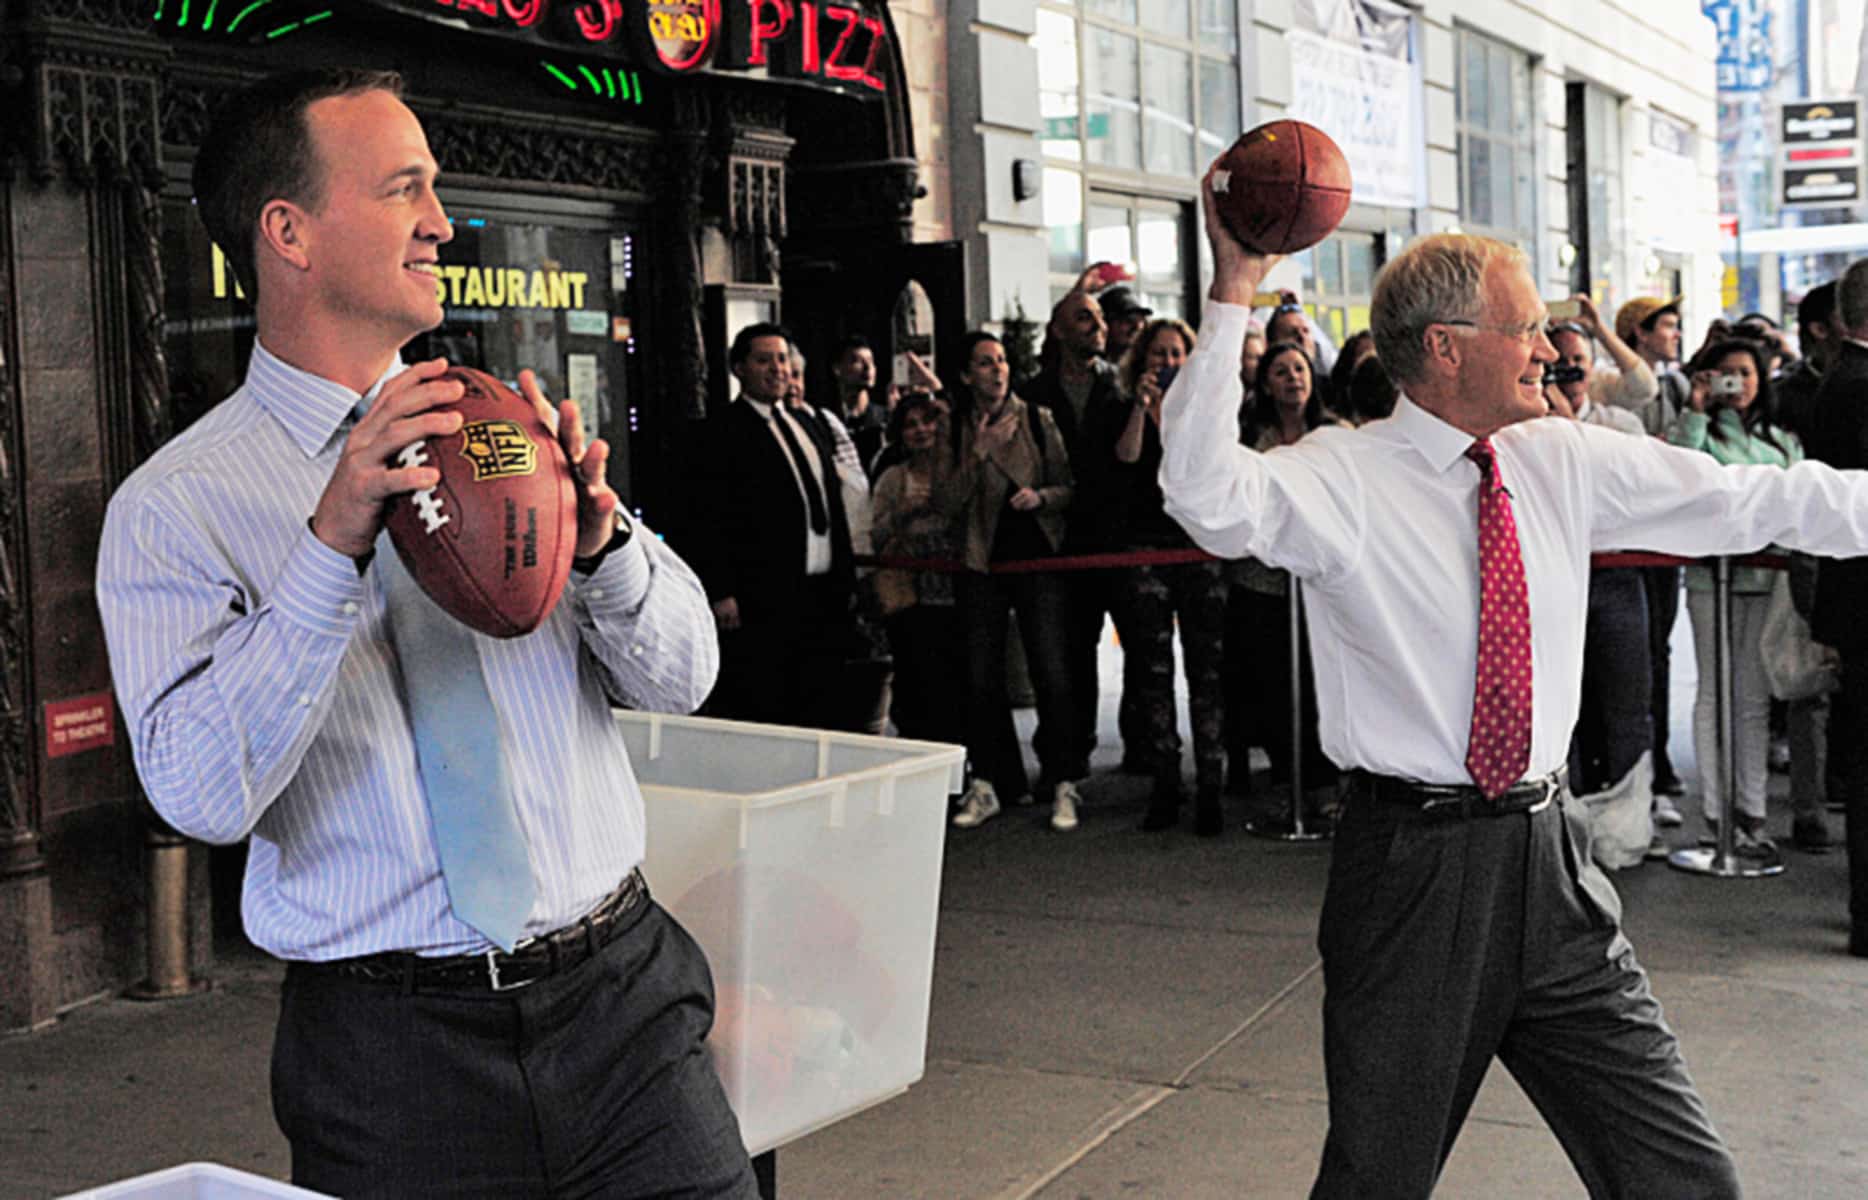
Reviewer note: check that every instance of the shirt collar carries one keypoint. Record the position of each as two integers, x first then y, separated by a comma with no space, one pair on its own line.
311,407
1439,443
762,407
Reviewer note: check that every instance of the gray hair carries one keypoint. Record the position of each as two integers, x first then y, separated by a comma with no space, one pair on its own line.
1438,278
1852,295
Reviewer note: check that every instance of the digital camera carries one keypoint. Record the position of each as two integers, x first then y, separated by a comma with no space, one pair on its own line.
1727,385
1559,373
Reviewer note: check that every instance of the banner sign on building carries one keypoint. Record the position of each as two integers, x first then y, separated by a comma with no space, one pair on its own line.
1367,103
1815,187
1744,31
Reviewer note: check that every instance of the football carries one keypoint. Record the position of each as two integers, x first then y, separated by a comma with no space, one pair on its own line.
491,543
1282,187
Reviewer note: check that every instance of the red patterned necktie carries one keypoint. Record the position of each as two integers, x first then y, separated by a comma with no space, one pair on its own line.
1499,749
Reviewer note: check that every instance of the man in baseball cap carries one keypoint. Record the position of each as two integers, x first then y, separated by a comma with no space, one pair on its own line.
1125,314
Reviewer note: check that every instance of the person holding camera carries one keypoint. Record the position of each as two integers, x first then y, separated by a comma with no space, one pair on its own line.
1730,415
1158,596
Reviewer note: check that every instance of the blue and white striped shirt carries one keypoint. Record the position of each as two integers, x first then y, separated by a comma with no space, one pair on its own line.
262,693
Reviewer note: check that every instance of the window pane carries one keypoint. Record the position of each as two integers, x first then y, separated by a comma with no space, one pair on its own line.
1168,128
1063,214
1057,85
1114,100
1219,107
1168,18
1109,234
1473,108
1479,181
1359,259
1329,267
1159,268
1501,92
1520,94
1120,10
1525,208
1219,25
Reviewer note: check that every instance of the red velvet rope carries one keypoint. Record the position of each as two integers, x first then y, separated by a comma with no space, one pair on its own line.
1156,558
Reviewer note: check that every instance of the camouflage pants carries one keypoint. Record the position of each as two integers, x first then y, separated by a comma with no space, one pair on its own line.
1194,595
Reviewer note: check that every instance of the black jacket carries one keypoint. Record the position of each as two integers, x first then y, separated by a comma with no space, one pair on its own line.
747,537
1838,435
1095,510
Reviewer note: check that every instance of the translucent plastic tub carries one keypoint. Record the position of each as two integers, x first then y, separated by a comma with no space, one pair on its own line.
807,865
196,1181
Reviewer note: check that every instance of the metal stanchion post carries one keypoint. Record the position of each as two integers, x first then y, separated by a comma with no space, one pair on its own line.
1291,827
1720,860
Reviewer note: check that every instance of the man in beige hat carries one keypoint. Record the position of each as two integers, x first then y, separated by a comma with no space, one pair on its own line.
1650,326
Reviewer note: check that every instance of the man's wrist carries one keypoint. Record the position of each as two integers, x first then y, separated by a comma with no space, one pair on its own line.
625,529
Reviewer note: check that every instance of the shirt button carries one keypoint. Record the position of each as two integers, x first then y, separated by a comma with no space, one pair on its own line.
350,608
637,651
304,701
594,594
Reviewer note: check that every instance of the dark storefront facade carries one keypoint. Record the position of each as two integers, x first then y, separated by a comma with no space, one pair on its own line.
629,181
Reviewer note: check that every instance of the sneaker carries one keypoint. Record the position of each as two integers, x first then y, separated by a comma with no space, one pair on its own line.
1064,807
1666,815
1811,835
980,805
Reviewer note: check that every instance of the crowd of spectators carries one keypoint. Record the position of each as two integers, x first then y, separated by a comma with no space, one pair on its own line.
949,482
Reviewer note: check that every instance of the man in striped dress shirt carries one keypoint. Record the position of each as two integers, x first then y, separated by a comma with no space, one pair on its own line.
259,678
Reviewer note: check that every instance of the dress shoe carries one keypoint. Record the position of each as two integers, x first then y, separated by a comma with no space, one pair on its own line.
1208,818
1811,835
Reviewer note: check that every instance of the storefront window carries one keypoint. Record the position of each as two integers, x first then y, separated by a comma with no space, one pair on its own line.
1595,180
1337,280
1496,158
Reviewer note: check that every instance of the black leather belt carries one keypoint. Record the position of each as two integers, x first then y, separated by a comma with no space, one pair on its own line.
1460,801
496,971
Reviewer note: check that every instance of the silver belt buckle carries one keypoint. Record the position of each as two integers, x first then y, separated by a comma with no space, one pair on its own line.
492,975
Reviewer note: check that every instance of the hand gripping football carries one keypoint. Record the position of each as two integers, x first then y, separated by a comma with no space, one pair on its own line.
491,543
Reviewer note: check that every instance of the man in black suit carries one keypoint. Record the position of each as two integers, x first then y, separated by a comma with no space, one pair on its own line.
1838,435
771,542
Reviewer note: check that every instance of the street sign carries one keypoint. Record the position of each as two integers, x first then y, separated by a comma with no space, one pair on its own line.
1743,28
1822,153
1817,187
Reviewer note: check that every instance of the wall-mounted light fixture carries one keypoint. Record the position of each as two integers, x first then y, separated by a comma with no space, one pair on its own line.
1025,177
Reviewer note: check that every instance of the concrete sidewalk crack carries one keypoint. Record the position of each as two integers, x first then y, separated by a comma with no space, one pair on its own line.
1139,1105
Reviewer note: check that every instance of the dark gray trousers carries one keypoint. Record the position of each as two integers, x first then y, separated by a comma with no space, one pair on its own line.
593,1082
1448,942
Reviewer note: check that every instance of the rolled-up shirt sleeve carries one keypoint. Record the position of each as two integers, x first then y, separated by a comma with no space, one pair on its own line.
645,619
221,695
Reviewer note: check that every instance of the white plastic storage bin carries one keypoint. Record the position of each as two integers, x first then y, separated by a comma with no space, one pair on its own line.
196,1181
807,865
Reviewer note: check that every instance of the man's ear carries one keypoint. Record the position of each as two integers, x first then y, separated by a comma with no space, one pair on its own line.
1444,351
285,233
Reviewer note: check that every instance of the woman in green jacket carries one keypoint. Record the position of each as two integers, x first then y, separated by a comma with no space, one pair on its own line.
1730,417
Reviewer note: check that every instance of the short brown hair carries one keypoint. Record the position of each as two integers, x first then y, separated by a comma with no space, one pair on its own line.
259,149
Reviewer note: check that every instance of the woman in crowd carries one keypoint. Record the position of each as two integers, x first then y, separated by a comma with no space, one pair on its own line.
1730,417
1011,485
1157,597
1359,348
1372,393
918,606
1284,406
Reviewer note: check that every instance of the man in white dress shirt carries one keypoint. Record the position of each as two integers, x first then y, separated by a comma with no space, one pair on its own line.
1464,920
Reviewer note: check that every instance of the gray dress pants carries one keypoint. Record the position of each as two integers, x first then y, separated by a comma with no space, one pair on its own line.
1449,941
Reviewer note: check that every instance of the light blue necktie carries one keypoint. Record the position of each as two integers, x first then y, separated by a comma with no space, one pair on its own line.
457,751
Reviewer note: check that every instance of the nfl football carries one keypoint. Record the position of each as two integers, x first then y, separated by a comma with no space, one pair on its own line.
1282,187
491,543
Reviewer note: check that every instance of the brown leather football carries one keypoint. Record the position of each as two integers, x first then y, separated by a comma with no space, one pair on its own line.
1282,187
491,543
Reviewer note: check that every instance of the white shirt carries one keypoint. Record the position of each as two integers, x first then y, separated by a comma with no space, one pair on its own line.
1381,525
1618,419
817,554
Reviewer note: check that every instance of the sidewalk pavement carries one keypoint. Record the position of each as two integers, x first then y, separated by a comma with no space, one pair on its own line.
1114,1015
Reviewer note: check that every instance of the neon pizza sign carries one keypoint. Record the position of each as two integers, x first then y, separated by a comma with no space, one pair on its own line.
837,45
